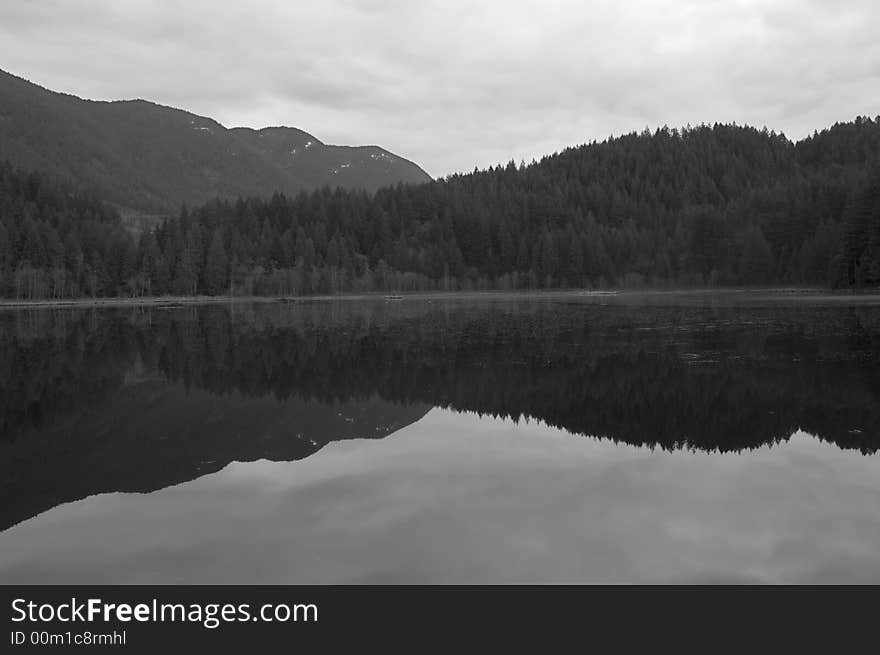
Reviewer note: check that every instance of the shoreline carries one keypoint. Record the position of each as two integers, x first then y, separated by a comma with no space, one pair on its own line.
154,301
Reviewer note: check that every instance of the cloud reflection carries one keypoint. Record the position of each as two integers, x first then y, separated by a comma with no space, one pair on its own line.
460,498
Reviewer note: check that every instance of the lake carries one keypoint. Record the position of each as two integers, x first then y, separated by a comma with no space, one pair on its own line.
667,437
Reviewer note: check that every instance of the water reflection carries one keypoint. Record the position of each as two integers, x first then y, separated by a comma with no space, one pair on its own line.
142,400
458,498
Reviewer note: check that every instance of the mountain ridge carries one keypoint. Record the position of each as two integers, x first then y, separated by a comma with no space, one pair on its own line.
148,157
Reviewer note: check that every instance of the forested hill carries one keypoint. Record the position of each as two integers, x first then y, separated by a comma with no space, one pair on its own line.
152,158
58,242
705,206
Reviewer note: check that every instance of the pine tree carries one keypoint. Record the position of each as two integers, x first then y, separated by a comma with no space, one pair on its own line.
756,260
217,265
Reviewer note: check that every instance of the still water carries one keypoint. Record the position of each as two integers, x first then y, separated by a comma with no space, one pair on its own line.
629,438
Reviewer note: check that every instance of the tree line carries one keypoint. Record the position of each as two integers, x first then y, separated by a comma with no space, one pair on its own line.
702,206
57,241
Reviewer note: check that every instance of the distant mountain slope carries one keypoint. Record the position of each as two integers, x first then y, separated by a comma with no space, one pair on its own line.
302,157
152,158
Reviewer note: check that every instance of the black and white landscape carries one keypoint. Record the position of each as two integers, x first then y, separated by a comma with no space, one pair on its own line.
370,293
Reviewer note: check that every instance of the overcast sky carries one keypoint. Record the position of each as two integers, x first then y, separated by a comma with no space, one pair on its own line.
455,85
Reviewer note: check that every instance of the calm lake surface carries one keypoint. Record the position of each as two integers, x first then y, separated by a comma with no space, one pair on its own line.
631,438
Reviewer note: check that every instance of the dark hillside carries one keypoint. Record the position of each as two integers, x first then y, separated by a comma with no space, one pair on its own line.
152,158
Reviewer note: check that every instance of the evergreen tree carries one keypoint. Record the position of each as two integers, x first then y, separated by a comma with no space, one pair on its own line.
216,266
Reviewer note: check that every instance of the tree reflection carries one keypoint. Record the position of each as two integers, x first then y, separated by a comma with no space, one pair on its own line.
706,378
136,400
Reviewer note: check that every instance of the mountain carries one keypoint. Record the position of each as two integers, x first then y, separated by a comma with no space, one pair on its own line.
151,158
705,206
303,158
719,205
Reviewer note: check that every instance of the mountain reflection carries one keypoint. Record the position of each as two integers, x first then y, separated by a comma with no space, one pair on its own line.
139,399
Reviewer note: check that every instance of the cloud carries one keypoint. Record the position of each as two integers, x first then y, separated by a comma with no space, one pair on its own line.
453,85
